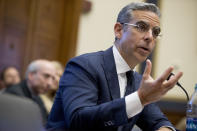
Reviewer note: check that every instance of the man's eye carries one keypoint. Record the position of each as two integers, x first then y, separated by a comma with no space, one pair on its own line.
46,76
143,27
156,31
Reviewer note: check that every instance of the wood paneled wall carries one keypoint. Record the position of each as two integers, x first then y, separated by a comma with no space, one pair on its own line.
35,29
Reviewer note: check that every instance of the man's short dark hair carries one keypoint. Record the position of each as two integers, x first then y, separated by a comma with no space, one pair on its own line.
125,15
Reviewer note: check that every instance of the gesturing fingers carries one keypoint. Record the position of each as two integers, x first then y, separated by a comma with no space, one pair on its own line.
173,80
147,70
153,90
164,76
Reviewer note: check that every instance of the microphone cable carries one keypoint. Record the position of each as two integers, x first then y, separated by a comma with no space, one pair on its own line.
178,84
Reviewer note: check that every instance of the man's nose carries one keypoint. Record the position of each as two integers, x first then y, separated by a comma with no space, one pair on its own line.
148,37
50,82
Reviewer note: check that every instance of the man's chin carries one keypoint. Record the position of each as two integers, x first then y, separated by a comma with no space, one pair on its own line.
43,91
142,59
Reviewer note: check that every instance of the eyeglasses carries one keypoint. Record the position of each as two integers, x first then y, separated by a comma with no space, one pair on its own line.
46,75
142,26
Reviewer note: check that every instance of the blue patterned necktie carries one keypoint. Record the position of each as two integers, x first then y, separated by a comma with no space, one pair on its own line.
129,88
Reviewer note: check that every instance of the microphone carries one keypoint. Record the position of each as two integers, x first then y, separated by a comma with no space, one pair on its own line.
178,84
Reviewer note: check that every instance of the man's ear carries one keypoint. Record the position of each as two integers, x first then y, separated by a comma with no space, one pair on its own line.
30,75
118,30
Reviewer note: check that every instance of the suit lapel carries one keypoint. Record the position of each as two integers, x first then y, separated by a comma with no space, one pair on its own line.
25,89
111,73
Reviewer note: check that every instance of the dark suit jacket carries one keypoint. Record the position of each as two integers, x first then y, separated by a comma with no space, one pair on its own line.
19,114
22,90
89,98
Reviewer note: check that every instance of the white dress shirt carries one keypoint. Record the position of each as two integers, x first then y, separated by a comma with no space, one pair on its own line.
133,103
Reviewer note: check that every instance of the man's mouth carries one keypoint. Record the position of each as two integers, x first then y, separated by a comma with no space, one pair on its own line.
144,50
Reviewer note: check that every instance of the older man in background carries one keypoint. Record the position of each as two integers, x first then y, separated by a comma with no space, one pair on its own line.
48,98
39,78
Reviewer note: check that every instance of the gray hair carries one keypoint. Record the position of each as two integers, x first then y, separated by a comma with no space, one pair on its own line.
125,15
35,66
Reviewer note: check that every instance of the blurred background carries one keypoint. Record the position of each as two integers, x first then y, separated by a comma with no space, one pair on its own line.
61,29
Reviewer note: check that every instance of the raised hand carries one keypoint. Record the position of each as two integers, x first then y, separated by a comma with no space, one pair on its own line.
152,90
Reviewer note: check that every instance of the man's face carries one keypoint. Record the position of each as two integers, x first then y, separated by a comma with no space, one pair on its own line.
135,44
42,80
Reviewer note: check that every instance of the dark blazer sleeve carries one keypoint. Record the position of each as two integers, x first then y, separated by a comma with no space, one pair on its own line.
151,118
80,91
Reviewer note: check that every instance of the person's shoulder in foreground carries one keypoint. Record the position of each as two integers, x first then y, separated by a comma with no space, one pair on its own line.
25,117
90,91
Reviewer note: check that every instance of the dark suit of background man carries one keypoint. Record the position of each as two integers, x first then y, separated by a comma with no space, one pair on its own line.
39,78
91,93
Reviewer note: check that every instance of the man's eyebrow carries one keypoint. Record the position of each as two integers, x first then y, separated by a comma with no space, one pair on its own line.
141,21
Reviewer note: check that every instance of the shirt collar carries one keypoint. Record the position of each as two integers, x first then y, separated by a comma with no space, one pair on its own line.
121,64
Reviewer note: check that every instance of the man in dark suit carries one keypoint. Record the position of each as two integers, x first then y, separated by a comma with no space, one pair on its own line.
19,114
101,92
39,78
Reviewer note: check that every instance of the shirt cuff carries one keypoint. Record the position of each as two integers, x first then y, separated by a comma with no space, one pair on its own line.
170,127
133,104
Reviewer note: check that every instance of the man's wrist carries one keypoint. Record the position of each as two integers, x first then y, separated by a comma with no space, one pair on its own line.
166,128
142,98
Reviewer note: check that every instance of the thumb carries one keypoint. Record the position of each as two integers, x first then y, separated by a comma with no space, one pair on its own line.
147,70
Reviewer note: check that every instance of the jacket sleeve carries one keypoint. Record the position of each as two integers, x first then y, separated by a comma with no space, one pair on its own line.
80,91
152,118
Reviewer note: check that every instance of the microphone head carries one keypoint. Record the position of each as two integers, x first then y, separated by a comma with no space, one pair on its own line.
172,74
